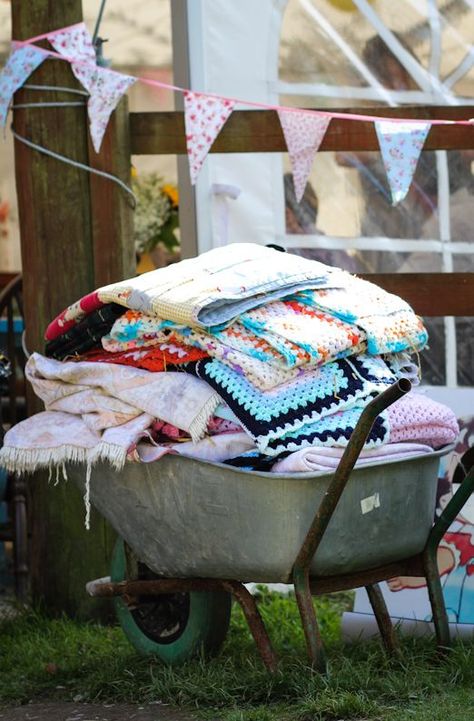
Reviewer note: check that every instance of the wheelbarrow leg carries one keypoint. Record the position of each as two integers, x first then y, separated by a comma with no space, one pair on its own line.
382,616
324,513
309,621
255,622
438,608
429,557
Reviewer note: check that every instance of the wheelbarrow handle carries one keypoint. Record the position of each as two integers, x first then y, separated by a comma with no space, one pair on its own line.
346,464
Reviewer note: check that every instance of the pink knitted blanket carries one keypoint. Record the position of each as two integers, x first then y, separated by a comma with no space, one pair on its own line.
415,417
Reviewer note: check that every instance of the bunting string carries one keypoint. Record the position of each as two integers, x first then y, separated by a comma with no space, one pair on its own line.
236,101
56,89
400,139
76,164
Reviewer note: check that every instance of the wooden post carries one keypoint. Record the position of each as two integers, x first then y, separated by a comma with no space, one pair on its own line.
66,252
112,214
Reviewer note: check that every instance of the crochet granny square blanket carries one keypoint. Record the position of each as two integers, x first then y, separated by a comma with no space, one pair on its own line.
268,344
320,407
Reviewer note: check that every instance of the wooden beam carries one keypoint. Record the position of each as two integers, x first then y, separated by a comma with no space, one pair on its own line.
430,294
259,131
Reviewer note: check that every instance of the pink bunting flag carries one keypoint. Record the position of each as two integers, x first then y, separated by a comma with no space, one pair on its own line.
105,87
303,133
204,117
400,144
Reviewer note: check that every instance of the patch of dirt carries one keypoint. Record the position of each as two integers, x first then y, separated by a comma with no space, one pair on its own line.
92,712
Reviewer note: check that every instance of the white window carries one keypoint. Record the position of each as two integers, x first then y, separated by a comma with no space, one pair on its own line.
339,53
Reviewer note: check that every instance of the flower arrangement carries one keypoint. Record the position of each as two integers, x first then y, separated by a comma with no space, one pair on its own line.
156,214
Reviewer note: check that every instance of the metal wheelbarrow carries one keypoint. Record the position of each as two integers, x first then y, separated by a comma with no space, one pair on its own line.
194,532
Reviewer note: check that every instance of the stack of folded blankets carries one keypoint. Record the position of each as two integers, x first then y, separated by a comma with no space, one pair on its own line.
243,355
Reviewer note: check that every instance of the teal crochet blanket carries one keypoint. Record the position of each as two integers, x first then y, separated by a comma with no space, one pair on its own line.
319,407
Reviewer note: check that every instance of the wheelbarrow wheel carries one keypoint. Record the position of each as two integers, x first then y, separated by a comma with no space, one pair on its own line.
174,627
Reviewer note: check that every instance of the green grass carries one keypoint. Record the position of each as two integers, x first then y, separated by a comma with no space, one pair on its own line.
62,659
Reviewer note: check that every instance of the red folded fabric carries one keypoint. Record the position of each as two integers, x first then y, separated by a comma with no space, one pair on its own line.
155,358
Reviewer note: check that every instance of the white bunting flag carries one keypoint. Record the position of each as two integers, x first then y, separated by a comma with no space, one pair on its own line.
18,68
303,133
105,87
400,144
204,117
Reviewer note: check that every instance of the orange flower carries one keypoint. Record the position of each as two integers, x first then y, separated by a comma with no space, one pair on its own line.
172,192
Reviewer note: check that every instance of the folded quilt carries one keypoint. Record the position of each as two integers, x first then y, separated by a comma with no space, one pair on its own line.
327,459
160,357
334,430
212,289
105,395
322,337
415,417
216,448
54,438
234,345
85,335
135,329
289,333
309,407
354,299
284,334
390,325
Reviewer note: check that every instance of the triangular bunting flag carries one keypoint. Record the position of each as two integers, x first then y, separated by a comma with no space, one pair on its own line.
204,117
400,144
74,42
21,63
105,87
303,133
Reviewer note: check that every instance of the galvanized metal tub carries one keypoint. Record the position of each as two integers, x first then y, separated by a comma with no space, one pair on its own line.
189,518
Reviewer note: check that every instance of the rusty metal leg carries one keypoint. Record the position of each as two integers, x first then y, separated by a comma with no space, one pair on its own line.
104,588
325,512
309,621
255,622
438,608
382,616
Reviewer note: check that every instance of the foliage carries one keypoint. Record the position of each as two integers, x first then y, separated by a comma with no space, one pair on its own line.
156,214
64,660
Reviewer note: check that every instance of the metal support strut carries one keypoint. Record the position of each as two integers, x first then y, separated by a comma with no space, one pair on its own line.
324,514
156,587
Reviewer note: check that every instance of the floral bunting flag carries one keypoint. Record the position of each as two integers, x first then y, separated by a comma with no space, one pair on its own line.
303,133
400,144
74,42
105,87
204,117
21,63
